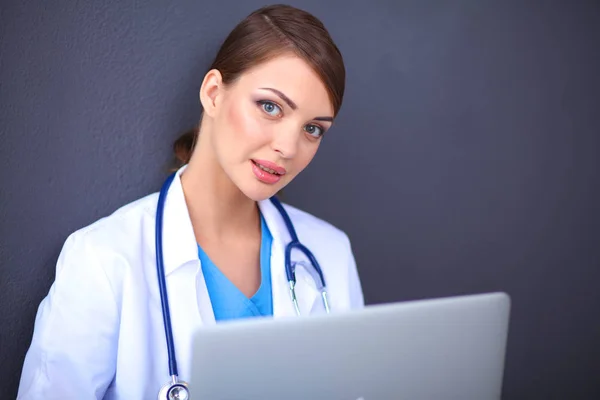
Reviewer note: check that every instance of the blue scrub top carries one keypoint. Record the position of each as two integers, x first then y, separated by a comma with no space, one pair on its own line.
227,300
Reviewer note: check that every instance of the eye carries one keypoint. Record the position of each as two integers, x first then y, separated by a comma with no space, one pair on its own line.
314,130
270,108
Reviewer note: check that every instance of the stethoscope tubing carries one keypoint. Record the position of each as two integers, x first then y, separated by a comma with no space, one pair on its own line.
295,244
162,285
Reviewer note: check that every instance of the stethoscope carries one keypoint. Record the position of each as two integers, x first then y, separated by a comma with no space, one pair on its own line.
176,389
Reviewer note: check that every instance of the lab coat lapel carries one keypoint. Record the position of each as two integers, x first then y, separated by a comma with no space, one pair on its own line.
306,291
182,265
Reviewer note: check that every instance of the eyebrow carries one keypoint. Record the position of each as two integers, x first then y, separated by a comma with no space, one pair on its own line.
293,105
328,119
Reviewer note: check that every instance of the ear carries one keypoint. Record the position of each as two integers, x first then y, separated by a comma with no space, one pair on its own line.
212,87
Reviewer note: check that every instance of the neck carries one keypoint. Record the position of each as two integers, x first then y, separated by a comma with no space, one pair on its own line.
219,211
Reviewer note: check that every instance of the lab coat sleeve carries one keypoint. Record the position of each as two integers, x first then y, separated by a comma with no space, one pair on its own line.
73,349
356,293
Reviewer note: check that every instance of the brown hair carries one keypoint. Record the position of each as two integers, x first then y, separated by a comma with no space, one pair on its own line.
265,34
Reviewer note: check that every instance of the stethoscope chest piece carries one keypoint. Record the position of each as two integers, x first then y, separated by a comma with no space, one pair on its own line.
174,391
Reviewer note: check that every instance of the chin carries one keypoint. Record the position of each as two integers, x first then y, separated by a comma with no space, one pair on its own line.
257,191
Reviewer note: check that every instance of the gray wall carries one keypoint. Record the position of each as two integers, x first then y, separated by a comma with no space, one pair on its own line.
465,158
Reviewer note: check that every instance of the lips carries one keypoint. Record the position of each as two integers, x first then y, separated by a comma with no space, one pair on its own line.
266,171
270,167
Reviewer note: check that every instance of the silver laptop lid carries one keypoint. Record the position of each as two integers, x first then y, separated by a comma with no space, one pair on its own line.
449,348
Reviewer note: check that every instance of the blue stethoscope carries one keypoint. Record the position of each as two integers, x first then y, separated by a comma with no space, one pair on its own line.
176,389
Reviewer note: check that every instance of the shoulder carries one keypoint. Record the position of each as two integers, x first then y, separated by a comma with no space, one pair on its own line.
123,222
316,227
332,247
111,240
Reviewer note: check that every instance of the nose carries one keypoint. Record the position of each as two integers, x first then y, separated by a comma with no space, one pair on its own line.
286,140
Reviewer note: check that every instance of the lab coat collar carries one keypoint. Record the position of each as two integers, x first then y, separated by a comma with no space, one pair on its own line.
179,241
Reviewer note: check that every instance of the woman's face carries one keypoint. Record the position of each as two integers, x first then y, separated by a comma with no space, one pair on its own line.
267,126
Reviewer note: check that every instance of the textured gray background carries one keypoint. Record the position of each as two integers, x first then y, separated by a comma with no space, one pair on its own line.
465,158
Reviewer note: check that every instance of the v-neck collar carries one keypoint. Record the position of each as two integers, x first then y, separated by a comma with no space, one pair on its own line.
224,294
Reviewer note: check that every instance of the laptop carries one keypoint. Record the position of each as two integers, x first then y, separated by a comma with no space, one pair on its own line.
447,348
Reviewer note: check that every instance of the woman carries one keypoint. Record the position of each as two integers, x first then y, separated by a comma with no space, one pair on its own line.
272,92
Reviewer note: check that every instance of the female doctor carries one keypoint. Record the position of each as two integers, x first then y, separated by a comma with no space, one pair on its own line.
268,100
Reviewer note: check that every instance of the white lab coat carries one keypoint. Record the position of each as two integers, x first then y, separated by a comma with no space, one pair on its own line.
99,332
